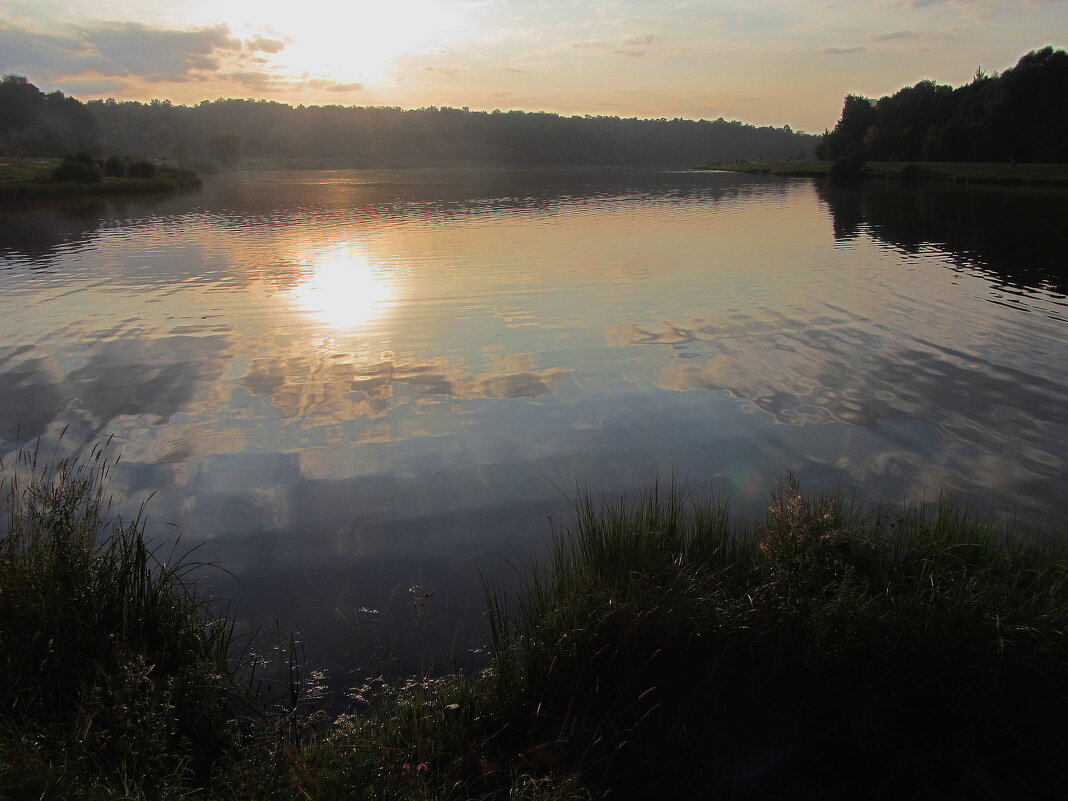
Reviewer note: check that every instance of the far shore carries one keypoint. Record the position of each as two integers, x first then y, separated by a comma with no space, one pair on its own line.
30,178
952,172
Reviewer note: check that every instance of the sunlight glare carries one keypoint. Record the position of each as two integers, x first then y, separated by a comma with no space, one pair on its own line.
344,290
356,41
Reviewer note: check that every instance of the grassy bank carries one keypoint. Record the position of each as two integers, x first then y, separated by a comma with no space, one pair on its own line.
113,676
952,172
28,179
663,648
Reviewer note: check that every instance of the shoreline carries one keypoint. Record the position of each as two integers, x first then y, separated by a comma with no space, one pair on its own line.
28,179
662,648
1048,175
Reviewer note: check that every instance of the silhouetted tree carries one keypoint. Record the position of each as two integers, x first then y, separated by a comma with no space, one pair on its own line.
903,120
1020,115
40,124
848,136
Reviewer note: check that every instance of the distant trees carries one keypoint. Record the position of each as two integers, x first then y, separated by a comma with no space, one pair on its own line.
1020,115
225,147
226,130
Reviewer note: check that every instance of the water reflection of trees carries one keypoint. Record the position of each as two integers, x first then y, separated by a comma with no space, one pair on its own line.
41,233
35,231
1017,236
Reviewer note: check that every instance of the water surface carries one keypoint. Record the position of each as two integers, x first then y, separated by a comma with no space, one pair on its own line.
347,384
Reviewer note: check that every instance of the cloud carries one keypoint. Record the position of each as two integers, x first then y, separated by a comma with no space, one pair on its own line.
44,55
894,36
910,36
266,82
125,49
444,71
635,46
983,5
263,45
841,51
94,86
158,54
256,81
344,87
324,84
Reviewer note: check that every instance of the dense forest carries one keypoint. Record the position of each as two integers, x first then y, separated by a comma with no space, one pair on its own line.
1020,115
39,124
224,132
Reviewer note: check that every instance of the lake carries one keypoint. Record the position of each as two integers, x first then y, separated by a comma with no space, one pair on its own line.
358,388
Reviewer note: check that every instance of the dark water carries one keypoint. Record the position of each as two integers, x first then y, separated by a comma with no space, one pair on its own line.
347,385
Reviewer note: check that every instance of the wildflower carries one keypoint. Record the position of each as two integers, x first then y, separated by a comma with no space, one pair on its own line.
422,767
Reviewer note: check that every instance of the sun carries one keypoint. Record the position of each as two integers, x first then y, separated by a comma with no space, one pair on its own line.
355,41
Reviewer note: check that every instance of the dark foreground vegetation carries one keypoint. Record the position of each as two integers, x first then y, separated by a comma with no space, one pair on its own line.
664,649
227,133
1020,115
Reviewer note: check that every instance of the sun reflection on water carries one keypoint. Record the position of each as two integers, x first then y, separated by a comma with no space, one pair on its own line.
344,289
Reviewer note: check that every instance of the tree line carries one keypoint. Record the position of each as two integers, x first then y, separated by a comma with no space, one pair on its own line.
225,131
1019,115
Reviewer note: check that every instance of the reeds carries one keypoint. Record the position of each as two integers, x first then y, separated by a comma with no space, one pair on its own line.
825,647
113,673
663,648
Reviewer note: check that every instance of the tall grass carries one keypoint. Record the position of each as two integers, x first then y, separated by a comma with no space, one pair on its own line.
663,648
114,677
825,651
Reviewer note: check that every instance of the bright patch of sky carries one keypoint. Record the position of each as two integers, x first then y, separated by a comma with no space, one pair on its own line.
778,62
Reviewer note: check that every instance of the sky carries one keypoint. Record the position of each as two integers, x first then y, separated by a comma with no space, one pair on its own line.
783,62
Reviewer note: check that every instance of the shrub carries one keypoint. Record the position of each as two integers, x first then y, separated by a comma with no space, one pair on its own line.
141,168
115,167
77,171
847,167
177,173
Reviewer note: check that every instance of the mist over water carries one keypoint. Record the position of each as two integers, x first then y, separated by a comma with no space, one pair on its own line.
350,384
